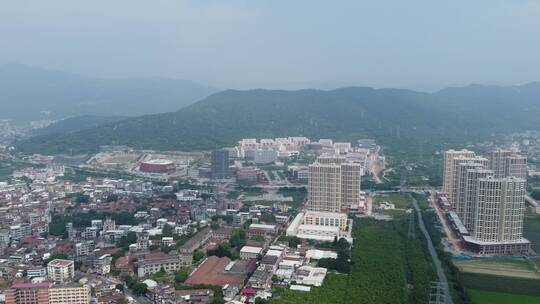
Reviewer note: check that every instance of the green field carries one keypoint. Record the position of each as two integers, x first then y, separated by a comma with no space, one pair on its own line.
332,292
400,200
381,270
500,284
519,268
531,229
489,297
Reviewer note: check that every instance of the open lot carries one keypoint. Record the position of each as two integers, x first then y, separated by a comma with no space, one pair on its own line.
400,200
511,268
489,297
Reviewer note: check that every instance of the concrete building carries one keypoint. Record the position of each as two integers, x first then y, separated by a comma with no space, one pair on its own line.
28,293
150,265
262,156
250,252
498,226
500,208
61,271
466,207
20,231
334,184
448,169
47,293
220,164
102,264
489,205
320,226
84,248
36,272
506,163
72,294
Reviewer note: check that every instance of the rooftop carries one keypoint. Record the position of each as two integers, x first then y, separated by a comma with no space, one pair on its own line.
158,162
212,272
31,285
60,263
262,226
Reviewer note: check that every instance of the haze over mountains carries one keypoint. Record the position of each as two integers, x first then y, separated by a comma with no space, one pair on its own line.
389,115
28,93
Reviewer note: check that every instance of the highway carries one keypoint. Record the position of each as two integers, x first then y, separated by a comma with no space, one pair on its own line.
438,266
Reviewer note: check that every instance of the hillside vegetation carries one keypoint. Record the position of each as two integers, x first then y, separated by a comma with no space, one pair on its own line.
409,120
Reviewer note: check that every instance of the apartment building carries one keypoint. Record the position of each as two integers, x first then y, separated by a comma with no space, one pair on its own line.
334,184
61,271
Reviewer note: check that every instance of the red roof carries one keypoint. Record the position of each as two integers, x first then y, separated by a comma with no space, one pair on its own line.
249,292
30,285
212,272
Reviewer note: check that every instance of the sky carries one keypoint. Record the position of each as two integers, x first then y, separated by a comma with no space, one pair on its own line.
280,44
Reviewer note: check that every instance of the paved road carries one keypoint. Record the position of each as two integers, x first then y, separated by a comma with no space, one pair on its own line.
438,266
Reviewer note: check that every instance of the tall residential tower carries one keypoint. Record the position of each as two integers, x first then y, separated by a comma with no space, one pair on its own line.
334,184
488,197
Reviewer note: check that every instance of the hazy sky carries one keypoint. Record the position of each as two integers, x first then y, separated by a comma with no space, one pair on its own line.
277,43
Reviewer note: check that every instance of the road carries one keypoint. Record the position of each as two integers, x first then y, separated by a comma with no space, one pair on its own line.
438,266
456,246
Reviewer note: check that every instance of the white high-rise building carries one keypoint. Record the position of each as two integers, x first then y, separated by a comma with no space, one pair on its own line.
468,175
334,184
500,207
506,163
488,199
448,168
61,271
459,167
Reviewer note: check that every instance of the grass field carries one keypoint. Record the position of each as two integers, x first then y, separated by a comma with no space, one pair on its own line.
400,200
501,284
519,268
531,229
489,297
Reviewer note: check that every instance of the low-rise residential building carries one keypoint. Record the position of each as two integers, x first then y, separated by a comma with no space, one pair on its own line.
154,263
250,252
47,293
102,264
36,272
61,271
72,294
262,230
28,293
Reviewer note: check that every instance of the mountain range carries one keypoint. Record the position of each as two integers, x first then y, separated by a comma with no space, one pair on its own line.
29,93
392,116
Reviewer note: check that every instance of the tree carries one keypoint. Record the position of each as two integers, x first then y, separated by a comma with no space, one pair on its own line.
140,289
204,196
82,199
197,256
127,240
77,265
214,226
162,271
112,198
119,287
259,300
167,230
238,238
180,275
223,249
294,241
